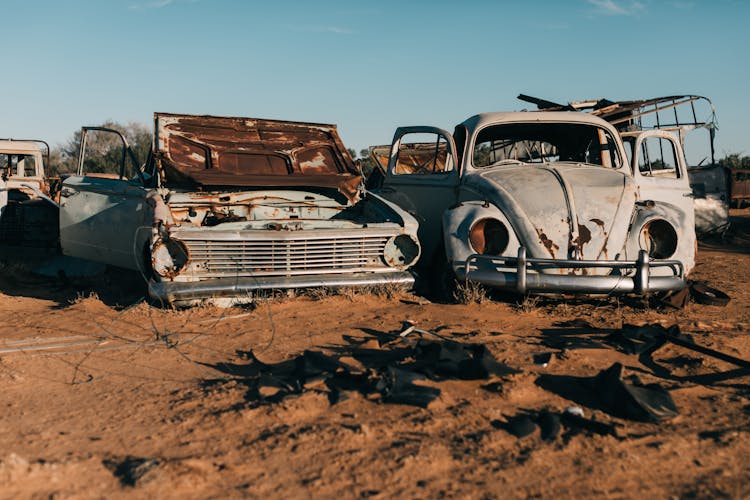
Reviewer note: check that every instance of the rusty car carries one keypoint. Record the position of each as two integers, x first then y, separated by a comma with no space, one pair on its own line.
545,202
226,206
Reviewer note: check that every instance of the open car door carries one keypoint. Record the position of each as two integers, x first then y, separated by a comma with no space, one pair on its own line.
422,177
660,172
104,216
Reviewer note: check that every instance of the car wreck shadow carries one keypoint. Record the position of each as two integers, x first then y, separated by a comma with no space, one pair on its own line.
580,390
736,239
385,367
579,335
115,287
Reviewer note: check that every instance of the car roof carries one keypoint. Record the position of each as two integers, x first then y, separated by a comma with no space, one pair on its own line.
19,147
483,119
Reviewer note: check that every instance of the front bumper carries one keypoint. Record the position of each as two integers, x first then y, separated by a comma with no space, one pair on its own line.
526,278
176,291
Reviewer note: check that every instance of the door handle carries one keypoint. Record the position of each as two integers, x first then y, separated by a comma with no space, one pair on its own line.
67,192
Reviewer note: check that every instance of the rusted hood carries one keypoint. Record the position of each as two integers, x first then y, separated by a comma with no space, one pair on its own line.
248,152
564,211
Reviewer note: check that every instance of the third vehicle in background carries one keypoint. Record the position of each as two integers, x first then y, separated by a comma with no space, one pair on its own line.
28,214
693,119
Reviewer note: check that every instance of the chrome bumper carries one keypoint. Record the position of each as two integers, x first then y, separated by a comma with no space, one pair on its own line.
522,281
174,291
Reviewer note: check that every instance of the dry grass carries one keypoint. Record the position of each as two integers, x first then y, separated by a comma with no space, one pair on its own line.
81,296
388,291
469,292
528,304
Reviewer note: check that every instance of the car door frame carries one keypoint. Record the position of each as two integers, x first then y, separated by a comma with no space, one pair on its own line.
654,185
425,196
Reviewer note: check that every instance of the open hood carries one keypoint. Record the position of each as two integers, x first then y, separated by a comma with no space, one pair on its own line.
247,152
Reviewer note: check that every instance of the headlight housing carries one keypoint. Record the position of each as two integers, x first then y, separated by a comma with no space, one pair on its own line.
169,257
401,251
489,237
659,238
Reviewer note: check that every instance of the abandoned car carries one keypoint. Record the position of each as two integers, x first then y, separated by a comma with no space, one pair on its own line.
546,202
227,206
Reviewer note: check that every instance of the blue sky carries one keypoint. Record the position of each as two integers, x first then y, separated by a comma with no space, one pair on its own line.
366,66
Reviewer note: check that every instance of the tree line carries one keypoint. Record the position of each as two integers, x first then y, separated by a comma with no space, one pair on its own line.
103,151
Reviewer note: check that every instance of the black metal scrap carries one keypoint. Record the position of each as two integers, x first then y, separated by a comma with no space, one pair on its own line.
388,373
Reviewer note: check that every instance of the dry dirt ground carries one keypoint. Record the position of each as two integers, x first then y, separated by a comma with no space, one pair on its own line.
102,399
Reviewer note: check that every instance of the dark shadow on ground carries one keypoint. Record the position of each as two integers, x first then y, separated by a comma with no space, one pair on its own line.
578,334
382,366
735,240
118,288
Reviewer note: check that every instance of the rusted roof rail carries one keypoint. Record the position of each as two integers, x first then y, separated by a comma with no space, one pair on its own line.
617,112
628,115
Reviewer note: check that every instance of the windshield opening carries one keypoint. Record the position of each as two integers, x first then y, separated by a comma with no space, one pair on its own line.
516,143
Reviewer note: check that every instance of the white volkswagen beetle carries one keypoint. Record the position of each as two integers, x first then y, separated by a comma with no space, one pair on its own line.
546,202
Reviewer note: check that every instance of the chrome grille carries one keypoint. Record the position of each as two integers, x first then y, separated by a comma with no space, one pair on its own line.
287,256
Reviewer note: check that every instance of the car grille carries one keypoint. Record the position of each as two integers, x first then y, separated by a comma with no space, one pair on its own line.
287,256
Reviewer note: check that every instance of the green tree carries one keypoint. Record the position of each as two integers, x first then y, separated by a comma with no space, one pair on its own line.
366,163
734,160
103,150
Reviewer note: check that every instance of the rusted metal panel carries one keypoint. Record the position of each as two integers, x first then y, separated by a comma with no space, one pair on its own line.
229,151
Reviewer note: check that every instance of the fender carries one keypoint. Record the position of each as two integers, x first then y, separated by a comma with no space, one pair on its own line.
686,241
408,221
457,222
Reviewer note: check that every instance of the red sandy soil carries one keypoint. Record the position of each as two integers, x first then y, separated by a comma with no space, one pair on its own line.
119,383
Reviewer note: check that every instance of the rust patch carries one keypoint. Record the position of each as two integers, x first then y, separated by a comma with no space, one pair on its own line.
584,236
548,243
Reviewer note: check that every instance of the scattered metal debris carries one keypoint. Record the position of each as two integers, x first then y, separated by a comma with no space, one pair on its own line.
643,341
699,292
704,294
657,335
608,391
391,363
630,398
520,425
575,421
